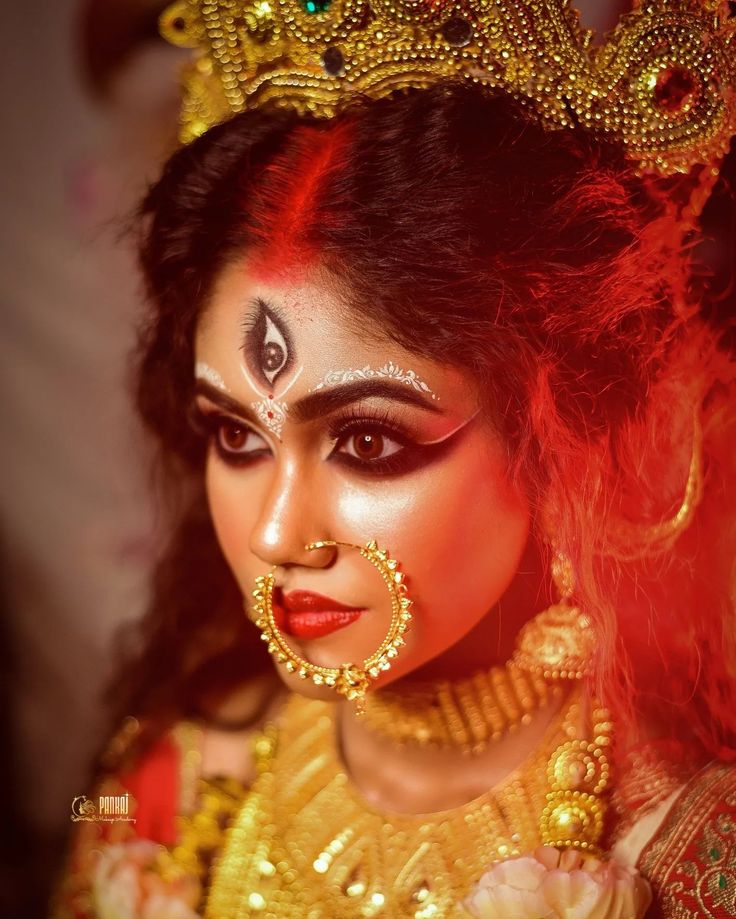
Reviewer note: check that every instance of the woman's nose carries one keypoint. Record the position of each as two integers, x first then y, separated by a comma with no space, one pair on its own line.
289,519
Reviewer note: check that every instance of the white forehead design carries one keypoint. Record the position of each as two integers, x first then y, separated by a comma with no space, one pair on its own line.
272,414
388,371
204,372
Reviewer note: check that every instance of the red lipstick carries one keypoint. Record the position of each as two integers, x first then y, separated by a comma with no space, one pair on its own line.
304,614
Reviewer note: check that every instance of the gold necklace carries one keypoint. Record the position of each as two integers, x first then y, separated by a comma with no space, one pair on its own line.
306,844
467,714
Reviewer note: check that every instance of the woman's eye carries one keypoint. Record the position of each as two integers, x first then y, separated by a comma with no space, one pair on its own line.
233,438
369,445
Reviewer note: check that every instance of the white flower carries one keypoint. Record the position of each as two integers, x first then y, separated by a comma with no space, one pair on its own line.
127,884
549,884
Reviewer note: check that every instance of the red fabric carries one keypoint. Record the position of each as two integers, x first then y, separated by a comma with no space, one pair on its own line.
154,786
691,863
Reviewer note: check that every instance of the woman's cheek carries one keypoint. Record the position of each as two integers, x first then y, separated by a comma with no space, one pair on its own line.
489,527
458,531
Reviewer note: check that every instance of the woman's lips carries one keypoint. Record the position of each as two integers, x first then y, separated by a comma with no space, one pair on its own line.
304,614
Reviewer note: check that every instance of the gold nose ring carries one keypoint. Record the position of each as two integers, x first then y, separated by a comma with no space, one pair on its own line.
349,680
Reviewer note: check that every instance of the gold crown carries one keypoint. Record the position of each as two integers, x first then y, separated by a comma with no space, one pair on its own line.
663,82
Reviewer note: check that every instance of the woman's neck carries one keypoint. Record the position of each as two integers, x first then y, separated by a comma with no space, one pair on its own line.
396,779
424,779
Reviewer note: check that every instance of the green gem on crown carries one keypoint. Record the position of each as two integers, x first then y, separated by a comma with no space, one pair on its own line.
317,6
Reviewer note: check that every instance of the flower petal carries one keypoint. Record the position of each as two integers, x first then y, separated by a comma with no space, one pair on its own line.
504,902
523,873
573,895
161,906
548,856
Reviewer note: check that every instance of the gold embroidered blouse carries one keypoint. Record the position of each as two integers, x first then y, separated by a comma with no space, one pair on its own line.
302,842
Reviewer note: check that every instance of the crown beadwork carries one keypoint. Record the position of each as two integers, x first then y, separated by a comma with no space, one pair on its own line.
663,81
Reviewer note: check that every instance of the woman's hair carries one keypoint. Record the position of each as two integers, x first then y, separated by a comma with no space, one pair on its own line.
537,262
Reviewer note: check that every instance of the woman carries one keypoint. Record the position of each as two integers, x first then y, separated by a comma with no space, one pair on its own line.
426,324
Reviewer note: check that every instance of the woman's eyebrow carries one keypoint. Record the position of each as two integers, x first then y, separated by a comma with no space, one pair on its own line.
324,401
202,388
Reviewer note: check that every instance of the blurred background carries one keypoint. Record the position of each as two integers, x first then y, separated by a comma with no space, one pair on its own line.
89,113
90,102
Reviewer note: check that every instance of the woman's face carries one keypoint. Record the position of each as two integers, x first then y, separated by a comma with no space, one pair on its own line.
320,431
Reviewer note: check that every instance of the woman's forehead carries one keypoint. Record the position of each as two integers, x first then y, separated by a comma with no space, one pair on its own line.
274,331
308,311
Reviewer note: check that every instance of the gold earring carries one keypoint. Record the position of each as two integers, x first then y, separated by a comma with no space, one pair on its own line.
557,643
349,680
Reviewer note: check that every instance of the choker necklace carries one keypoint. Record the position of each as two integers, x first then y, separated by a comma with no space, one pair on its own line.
467,714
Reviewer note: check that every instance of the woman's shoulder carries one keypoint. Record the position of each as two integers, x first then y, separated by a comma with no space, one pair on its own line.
178,788
128,820
162,770
691,859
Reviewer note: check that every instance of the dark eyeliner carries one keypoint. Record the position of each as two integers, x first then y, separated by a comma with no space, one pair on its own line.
207,423
410,457
253,330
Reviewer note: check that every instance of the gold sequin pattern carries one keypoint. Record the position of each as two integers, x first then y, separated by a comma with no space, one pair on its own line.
305,837
578,773
200,834
663,82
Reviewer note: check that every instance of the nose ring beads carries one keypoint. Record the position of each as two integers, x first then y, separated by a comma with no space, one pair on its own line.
349,680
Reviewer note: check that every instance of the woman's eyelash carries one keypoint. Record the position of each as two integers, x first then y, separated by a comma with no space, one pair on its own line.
205,421
378,420
410,455
208,423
